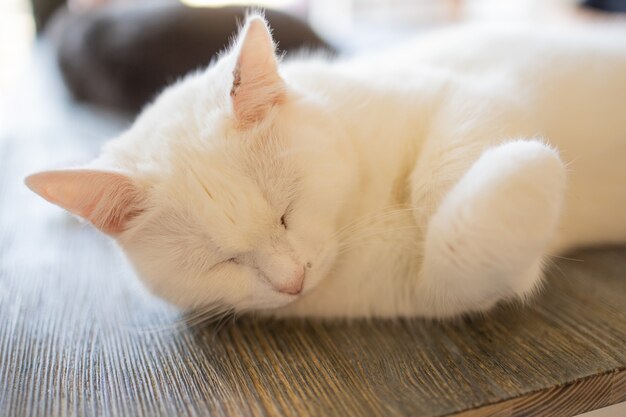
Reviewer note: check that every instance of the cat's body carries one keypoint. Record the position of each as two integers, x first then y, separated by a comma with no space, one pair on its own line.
416,182
432,113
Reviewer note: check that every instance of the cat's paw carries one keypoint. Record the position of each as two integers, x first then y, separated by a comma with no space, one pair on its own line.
487,239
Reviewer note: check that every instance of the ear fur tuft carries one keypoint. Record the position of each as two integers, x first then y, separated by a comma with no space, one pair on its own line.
257,86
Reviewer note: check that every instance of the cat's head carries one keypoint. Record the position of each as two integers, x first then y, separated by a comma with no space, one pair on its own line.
228,189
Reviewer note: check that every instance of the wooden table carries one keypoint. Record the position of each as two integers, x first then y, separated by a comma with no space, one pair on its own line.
79,336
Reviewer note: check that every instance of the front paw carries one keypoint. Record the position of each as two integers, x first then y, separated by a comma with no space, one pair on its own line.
487,239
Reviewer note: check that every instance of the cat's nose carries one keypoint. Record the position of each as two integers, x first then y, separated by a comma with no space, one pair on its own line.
293,285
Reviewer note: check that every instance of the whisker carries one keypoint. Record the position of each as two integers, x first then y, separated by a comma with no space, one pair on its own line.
365,238
566,258
214,315
379,229
551,263
375,217
368,216
189,320
403,245
223,320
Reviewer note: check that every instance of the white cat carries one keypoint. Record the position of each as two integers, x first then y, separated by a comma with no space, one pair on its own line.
431,180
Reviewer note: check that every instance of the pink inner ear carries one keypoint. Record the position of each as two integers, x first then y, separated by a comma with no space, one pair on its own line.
107,199
257,86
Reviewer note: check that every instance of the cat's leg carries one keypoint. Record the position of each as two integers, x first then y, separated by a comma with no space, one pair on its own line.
487,238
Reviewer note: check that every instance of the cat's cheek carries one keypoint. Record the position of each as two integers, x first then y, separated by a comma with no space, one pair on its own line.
316,252
320,267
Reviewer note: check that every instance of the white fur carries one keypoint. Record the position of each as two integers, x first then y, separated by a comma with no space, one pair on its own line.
429,180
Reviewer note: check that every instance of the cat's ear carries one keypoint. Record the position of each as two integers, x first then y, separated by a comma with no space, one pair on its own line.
257,86
106,199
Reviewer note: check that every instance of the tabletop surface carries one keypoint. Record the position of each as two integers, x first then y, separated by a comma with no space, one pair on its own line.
79,336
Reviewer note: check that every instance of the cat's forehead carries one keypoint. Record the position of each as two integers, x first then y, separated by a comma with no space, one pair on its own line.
235,189
252,169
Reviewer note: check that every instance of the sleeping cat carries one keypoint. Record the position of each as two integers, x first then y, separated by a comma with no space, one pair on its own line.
432,180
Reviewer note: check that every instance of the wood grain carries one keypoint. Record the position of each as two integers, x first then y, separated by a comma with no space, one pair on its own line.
569,399
79,336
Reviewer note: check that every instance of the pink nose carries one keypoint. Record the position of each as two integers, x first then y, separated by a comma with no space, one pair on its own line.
293,285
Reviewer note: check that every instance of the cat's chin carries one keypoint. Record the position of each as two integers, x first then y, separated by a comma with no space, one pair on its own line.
278,301
275,302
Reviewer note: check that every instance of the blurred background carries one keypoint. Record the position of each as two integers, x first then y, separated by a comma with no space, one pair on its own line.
117,54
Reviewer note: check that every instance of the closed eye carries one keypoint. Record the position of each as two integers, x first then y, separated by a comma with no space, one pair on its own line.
225,262
283,218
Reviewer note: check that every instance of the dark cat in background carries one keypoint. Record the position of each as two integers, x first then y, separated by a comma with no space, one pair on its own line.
120,55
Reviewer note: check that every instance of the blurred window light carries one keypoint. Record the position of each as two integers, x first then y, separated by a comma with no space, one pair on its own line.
17,32
218,3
